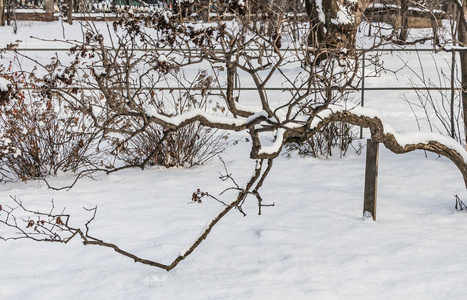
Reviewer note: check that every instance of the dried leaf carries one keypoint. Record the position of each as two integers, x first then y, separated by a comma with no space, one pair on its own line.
59,221
30,224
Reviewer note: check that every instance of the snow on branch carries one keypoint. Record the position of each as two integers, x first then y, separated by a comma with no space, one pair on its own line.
4,84
368,118
395,142
198,115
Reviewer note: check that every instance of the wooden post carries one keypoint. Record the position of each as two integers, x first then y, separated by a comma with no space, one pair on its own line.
371,178
49,6
362,100
69,11
49,10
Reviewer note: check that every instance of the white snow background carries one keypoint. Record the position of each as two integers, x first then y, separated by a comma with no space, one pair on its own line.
313,244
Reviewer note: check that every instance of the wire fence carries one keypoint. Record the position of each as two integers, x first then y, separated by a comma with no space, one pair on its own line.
362,88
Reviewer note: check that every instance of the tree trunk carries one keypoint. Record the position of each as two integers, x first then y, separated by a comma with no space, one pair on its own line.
9,11
435,24
462,37
1,12
404,20
333,23
69,11
202,10
316,33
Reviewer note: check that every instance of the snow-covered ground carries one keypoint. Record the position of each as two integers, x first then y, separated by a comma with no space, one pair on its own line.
313,244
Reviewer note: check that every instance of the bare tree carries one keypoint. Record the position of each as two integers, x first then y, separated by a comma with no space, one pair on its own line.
140,75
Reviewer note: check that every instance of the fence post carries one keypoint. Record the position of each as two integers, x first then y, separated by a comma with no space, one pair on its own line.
371,178
362,100
49,6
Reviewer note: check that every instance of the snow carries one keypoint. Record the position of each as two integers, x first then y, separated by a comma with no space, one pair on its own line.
342,107
248,108
276,145
200,27
4,84
313,244
319,8
17,153
425,138
100,71
344,16
162,58
179,119
6,141
259,114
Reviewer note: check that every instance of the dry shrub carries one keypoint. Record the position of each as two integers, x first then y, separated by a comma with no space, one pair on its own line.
44,137
150,144
334,136
191,145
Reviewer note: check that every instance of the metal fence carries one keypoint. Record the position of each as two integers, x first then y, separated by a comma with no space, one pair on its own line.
362,88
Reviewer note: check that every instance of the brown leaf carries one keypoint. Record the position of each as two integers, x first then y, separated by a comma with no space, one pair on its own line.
59,221
30,224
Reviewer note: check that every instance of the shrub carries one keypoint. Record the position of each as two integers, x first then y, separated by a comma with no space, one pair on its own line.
335,135
188,146
44,136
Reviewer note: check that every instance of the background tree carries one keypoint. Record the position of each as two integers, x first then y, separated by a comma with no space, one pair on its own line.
1,12
334,23
404,20
462,38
